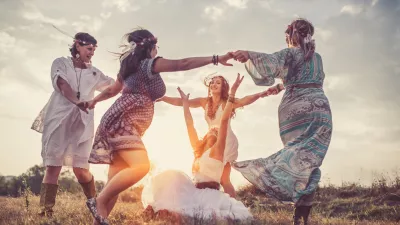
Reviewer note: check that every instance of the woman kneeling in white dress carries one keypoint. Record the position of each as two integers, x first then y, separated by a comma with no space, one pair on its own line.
175,192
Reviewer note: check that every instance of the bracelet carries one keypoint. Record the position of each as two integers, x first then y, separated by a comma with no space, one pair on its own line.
215,59
231,99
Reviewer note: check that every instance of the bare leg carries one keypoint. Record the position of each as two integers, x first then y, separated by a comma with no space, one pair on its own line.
51,175
83,175
138,166
117,165
226,181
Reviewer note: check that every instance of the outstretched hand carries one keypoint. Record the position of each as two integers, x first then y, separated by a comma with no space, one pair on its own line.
240,55
272,91
184,97
237,83
223,59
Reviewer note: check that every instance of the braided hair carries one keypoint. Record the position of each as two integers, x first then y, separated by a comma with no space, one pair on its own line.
299,33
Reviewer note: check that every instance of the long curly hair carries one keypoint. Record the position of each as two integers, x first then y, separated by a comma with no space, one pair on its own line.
224,95
299,33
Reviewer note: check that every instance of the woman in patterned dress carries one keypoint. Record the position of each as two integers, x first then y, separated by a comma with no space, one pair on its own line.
118,139
213,105
305,121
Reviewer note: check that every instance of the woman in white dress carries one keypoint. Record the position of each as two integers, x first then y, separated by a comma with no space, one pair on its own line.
175,192
218,93
66,125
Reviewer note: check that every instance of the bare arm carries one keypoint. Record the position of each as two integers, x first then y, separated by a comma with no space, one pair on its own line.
167,65
70,94
247,100
67,91
193,103
193,137
109,92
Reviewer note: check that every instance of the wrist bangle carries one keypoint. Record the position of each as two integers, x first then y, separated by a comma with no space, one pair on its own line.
215,59
231,99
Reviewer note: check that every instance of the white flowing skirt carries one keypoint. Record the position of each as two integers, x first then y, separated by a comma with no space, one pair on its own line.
174,191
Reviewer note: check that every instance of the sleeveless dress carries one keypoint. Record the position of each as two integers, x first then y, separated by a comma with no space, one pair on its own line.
305,122
174,191
232,144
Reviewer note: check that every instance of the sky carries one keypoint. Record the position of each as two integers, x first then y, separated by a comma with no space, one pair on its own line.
359,41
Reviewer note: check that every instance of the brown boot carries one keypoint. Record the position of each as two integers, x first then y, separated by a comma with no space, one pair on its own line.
48,193
89,189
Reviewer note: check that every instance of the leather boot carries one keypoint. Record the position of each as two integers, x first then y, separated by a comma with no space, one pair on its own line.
48,193
89,189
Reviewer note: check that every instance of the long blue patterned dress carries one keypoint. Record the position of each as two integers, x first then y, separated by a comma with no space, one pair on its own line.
305,124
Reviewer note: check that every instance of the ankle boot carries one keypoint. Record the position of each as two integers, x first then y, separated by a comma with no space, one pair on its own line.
297,216
89,189
48,193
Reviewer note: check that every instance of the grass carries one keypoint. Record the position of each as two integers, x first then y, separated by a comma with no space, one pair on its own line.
349,204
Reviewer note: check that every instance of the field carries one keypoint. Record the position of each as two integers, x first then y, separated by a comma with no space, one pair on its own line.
347,204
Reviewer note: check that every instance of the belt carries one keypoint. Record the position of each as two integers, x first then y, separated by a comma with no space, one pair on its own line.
210,185
291,87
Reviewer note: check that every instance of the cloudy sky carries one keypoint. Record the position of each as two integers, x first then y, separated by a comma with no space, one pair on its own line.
359,42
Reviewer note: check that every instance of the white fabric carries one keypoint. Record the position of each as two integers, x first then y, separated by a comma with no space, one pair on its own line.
66,129
208,169
174,191
232,144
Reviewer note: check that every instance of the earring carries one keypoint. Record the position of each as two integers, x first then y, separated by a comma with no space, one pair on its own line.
77,55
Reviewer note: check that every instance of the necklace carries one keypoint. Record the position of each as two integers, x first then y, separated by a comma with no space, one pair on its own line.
78,81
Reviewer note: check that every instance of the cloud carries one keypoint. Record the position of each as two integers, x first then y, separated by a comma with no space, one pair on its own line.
88,23
352,9
240,4
34,14
213,12
105,15
121,5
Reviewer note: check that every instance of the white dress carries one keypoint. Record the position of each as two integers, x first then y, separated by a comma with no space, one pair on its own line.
67,132
232,144
174,191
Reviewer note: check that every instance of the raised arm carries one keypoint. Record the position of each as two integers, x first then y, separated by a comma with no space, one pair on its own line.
217,151
167,65
193,137
193,103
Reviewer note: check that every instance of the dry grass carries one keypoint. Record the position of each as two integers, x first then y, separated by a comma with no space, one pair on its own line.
329,209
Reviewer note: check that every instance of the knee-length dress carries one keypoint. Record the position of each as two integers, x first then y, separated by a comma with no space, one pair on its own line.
305,125
126,121
67,131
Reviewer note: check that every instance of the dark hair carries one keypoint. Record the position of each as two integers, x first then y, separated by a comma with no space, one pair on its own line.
145,43
224,95
297,31
82,39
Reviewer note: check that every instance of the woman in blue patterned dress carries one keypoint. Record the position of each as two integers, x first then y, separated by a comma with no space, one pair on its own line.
305,122
118,139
